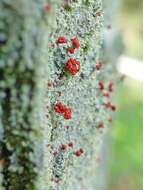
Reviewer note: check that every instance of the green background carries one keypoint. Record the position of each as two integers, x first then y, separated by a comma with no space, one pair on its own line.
126,167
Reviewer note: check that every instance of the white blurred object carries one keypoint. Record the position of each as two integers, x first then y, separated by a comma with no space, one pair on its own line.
130,67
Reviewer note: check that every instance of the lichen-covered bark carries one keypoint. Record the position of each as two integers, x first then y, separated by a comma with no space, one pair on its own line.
23,38
91,117
44,147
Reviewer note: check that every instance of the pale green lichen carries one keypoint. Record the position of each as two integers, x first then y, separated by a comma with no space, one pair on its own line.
30,57
21,68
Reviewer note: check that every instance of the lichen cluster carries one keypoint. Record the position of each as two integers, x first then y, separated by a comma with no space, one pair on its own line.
55,102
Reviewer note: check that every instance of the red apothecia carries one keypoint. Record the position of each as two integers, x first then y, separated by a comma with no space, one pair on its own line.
55,153
111,86
113,107
70,50
67,126
63,147
110,105
59,107
107,105
49,84
73,66
98,65
101,125
101,85
67,113
107,94
70,144
79,152
75,42
62,40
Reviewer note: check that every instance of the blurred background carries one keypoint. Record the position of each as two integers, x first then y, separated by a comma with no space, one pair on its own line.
126,158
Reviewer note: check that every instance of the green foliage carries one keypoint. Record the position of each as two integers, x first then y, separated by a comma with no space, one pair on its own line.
131,22
127,135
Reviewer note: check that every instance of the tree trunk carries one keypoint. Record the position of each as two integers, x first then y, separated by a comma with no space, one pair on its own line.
55,94
23,43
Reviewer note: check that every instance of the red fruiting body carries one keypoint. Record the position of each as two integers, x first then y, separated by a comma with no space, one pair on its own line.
101,85
59,107
81,150
77,153
62,109
62,40
73,66
63,146
111,86
98,13
70,144
47,7
98,65
67,113
113,107
49,83
67,127
101,125
55,153
70,50
75,42
108,105
107,94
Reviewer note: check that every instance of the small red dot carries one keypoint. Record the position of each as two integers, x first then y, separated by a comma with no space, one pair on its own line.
101,125
111,86
49,84
67,127
113,107
77,153
101,85
107,94
63,146
55,153
81,150
98,66
71,50
70,144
